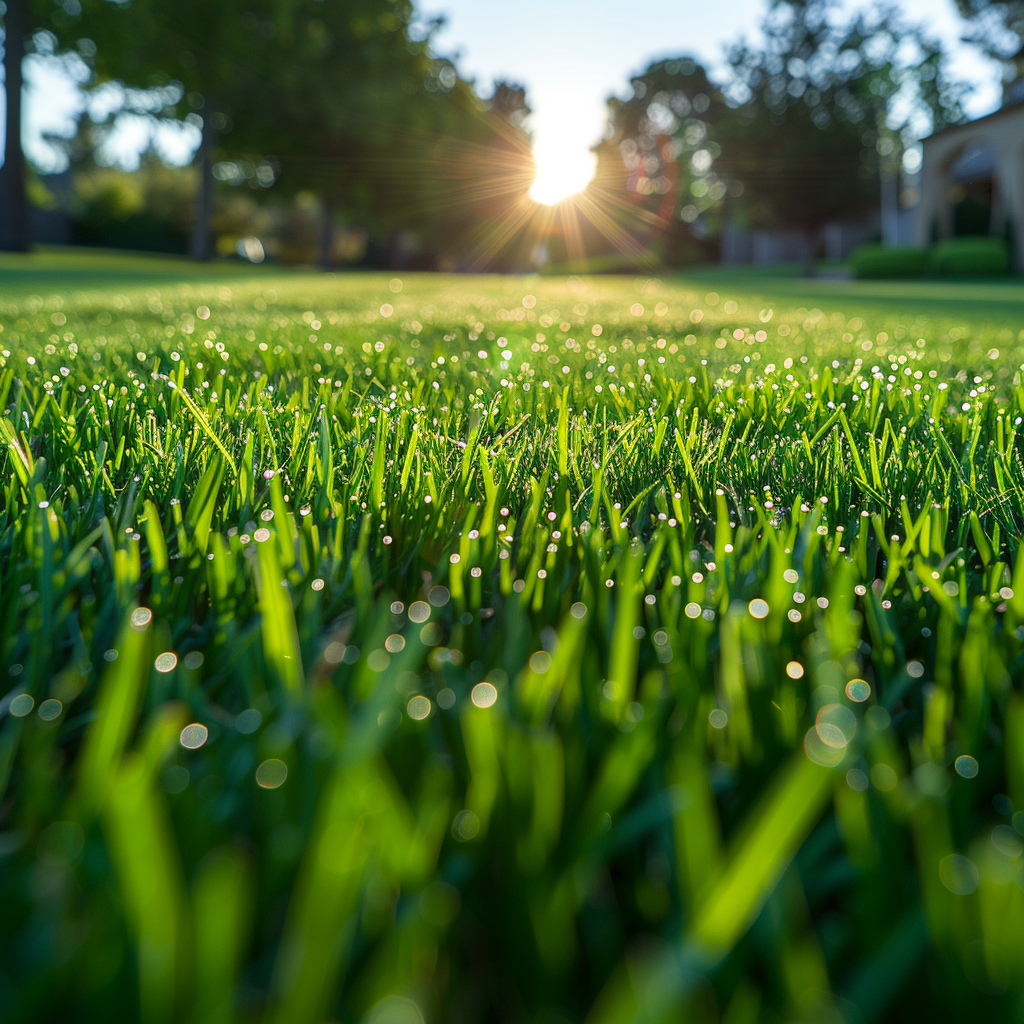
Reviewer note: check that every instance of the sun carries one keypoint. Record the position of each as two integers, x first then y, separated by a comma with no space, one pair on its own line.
562,171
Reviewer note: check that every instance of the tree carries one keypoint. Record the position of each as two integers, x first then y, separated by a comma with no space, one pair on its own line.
341,115
997,26
478,192
14,233
215,54
388,134
816,125
25,22
334,95
656,190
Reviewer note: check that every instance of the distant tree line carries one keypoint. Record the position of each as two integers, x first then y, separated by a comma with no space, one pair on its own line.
340,99
344,104
807,128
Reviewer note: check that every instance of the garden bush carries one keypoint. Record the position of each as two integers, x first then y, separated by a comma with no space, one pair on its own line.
971,257
873,260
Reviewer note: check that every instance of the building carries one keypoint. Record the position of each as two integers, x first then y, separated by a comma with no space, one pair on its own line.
972,180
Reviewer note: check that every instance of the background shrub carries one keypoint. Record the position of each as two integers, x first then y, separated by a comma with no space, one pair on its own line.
874,260
971,257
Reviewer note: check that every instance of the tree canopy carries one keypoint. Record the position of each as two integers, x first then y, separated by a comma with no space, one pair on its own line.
817,119
997,26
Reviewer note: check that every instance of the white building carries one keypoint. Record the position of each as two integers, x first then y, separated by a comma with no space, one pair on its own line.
972,180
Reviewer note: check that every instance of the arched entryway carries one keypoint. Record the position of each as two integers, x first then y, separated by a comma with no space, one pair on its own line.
974,192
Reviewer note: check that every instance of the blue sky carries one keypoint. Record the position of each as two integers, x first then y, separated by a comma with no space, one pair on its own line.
570,54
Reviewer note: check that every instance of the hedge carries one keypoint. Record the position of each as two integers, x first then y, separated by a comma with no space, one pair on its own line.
955,257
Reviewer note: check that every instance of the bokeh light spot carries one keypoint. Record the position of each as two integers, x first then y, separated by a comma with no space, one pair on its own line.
271,773
484,695
194,736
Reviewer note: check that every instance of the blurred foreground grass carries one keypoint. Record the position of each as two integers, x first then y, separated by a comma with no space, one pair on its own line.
468,649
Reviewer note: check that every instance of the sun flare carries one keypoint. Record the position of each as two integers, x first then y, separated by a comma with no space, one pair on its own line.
562,171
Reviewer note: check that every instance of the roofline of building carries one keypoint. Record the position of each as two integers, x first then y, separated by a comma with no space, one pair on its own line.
1010,108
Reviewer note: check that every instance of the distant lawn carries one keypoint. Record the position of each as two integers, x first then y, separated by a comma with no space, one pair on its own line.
74,270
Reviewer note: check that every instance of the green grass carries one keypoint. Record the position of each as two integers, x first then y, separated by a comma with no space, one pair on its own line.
359,672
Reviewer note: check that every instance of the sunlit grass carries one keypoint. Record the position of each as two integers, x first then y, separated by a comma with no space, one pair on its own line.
460,648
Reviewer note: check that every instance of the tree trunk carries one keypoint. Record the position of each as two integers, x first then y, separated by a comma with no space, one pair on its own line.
325,240
201,245
810,242
890,206
14,231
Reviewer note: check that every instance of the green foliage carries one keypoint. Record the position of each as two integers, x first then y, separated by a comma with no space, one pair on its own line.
473,648
874,260
971,257
825,106
333,98
658,158
997,26
149,208
955,257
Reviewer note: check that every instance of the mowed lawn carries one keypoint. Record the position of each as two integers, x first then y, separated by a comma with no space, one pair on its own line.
412,649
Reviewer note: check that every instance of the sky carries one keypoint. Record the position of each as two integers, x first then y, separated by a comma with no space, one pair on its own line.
570,54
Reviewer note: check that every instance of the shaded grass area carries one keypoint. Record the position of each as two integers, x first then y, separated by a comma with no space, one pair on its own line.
523,649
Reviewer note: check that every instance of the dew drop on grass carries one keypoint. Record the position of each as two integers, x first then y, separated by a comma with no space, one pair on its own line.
166,662
858,690
465,826
418,708
378,660
271,773
419,611
836,725
50,709
540,662
484,695
820,752
194,736
958,874
248,721
334,652
883,777
22,705
141,618
966,766
1007,840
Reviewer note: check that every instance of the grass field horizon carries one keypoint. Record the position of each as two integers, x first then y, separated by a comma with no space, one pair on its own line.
412,648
